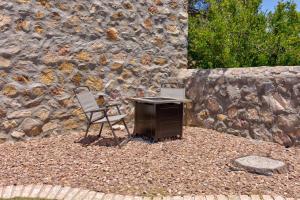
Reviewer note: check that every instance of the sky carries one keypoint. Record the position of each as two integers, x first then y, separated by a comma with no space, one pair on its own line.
269,5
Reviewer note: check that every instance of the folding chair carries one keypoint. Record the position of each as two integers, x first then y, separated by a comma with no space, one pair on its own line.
99,115
175,93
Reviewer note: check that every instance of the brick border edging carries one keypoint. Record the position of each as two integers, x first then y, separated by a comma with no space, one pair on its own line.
58,192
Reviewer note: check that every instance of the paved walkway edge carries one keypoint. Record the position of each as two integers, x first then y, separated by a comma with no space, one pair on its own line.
57,192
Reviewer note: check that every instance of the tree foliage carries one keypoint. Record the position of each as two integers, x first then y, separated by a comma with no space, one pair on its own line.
236,33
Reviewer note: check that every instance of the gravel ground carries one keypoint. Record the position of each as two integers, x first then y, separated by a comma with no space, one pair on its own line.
197,164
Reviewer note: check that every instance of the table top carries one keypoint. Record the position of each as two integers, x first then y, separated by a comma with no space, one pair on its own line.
158,100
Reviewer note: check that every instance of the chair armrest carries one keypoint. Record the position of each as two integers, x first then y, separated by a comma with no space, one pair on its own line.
75,89
97,110
113,104
104,110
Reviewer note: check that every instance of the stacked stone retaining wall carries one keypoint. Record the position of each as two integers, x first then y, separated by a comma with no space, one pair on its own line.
260,103
48,47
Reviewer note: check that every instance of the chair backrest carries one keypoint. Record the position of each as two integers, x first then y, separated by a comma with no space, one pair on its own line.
88,103
176,93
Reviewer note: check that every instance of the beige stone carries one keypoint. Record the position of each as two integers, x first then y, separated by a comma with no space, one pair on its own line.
44,3
47,77
232,112
21,79
94,82
252,114
38,29
17,134
103,59
78,112
2,112
116,66
49,126
158,41
9,124
65,50
213,105
23,25
160,61
112,34
282,138
10,90
50,58
221,117
173,4
70,124
43,114
267,117
31,127
126,74
148,24
23,1
83,56
4,20
203,114
3,138
146,59
37,91
76,79
55,16
117,16
97,45
66,67
19,114
128,5
172,29
152,10
4,62
295,135
39,15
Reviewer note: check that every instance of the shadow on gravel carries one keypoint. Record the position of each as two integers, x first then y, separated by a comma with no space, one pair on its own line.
102,141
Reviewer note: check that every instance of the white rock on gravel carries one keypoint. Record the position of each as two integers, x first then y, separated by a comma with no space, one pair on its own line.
260,165
17,134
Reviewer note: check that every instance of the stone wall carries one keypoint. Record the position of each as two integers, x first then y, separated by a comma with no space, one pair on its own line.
48,47
260,103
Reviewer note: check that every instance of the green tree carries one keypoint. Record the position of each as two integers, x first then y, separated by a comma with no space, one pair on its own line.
284,35
235,33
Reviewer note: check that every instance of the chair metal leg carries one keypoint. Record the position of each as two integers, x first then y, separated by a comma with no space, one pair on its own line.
87,129
99,135
116,139
126,128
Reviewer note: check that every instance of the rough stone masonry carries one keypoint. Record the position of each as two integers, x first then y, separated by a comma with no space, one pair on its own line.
260,103
48,47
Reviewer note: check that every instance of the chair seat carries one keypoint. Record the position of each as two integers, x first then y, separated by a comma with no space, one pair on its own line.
111,118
